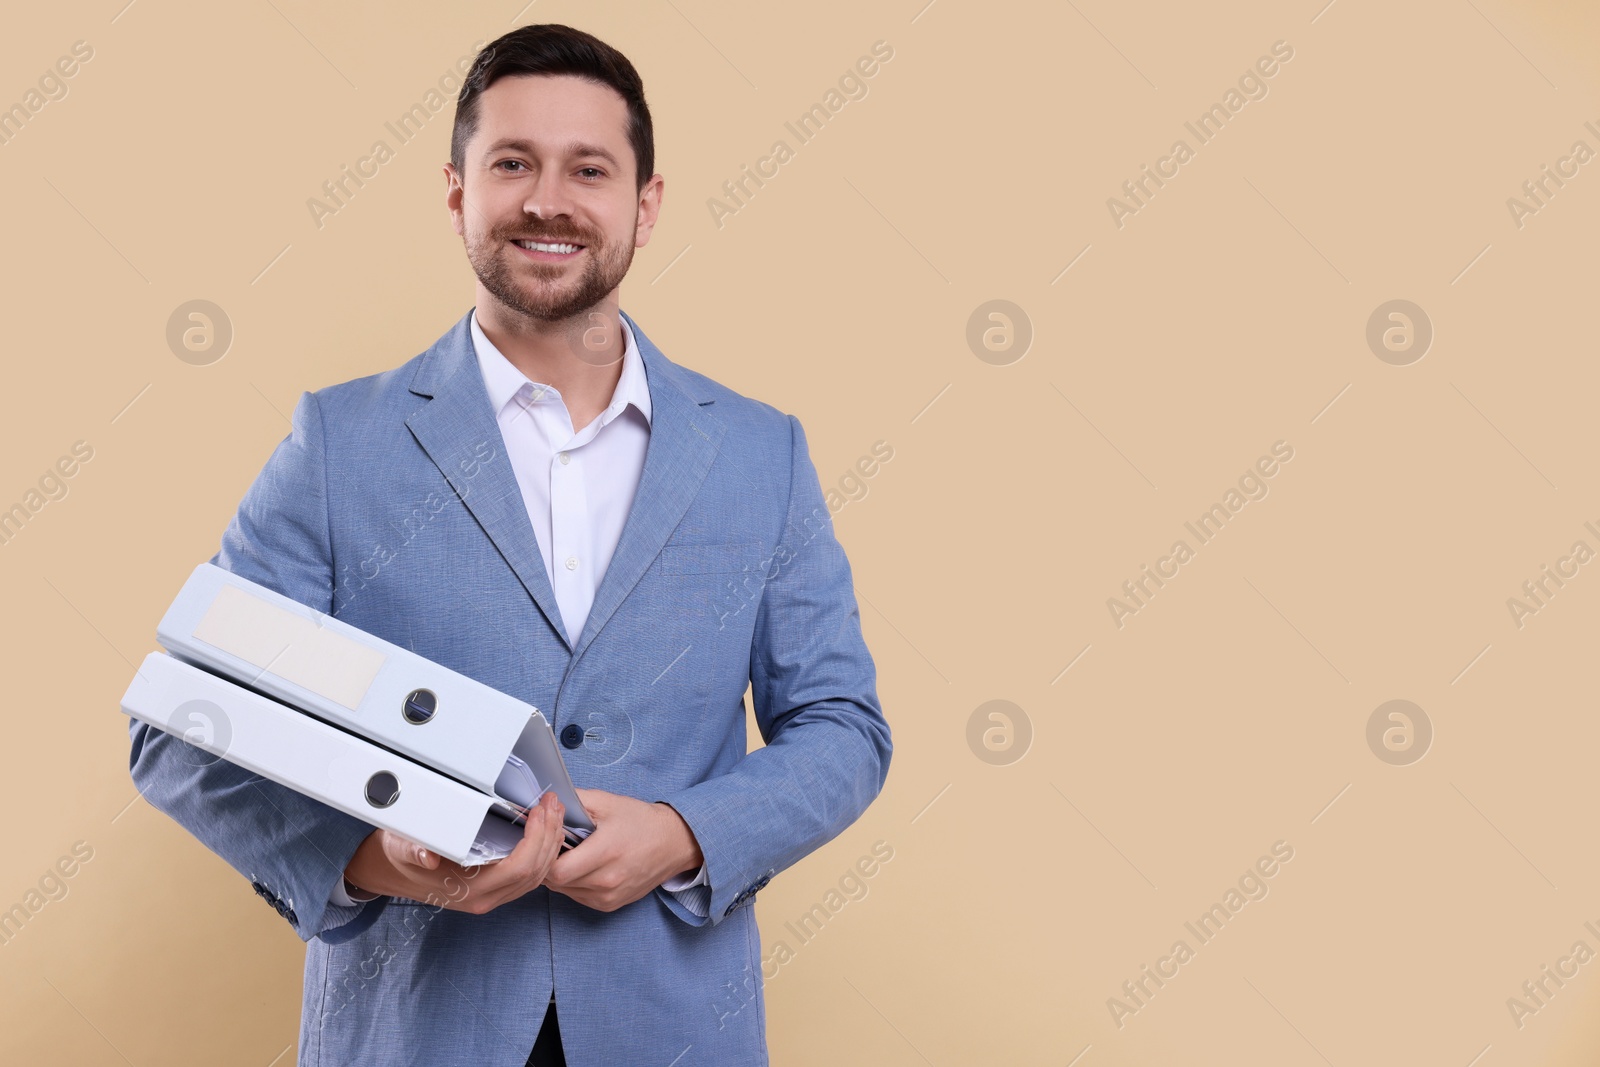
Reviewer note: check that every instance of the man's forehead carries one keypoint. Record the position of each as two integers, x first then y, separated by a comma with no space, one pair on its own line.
550,100
559,115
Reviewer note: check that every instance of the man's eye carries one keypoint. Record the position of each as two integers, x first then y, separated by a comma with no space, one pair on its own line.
514,162
596,171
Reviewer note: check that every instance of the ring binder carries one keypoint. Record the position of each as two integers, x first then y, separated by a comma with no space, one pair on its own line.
380,732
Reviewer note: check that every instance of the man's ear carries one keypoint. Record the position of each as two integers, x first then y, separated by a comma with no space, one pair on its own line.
452,198
649,210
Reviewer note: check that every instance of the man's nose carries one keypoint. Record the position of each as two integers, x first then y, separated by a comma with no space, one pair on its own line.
547,197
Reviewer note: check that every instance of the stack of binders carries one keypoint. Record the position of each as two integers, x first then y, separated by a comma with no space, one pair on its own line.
349,719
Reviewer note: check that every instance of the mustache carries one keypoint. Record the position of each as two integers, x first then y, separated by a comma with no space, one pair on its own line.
565,237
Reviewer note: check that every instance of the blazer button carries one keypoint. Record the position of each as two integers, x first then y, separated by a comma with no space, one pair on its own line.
572,735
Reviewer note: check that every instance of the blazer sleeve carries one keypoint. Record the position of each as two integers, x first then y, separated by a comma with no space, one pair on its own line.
292,849
814,685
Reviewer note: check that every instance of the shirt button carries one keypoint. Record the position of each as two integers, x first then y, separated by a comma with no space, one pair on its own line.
572,563
565,459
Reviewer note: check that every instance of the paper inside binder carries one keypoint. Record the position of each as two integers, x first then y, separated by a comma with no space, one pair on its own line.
518,784
519,789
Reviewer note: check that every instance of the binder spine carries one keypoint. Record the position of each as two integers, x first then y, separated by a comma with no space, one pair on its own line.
311,757
350,678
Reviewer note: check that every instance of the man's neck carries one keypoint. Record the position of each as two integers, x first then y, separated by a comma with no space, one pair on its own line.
580,357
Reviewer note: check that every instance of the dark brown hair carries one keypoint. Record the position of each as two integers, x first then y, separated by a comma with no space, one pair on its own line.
551,48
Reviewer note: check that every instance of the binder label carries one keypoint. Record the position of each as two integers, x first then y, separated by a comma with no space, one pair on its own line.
278,641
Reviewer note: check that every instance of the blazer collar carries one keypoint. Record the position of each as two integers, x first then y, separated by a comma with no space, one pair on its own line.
444,359
457,427
503,381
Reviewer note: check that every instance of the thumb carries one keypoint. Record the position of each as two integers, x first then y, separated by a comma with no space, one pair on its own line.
594,801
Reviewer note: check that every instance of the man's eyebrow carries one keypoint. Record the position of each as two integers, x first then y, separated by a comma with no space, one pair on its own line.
576,148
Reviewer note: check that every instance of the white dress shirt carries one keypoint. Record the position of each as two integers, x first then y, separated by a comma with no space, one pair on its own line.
578,487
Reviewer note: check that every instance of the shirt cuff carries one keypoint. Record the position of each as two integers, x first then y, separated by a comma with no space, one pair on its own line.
341,897
679,882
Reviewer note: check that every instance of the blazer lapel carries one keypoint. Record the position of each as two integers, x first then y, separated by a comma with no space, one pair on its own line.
453,428
684,438
457,422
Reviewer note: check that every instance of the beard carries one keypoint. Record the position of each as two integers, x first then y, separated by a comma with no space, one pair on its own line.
547,292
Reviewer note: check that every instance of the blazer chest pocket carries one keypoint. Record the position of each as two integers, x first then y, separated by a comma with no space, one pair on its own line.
724,558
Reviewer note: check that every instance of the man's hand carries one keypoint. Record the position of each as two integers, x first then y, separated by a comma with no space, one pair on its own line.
388,864
635,847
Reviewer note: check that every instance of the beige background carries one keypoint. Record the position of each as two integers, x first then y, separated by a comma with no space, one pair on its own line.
1229,313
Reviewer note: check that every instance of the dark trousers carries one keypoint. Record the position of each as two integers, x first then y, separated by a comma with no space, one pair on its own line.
547,1046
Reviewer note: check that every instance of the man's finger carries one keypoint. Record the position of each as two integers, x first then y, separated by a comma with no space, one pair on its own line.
402,851
544,822
594,801
550,848
570,868
488,880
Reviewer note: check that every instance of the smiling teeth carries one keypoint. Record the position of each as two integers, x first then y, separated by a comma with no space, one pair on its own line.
540,246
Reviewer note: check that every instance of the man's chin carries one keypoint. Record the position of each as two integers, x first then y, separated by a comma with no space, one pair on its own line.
547,312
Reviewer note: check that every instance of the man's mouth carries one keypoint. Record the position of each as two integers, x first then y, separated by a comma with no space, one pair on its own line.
543,249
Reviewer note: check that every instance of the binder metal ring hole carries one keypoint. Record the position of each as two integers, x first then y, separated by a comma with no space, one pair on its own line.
419,706
383,789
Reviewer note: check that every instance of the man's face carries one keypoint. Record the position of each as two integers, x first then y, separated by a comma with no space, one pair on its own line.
551,163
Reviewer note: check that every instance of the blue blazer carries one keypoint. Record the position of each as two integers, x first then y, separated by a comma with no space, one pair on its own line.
392,505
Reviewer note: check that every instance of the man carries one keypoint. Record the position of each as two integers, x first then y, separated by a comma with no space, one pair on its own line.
542,500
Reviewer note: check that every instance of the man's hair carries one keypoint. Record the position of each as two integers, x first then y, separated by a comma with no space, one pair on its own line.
555,49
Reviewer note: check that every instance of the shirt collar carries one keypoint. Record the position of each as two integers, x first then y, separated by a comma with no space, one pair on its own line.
504,381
